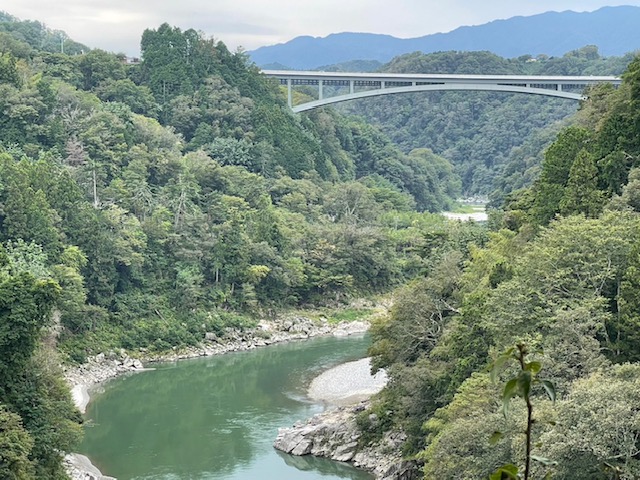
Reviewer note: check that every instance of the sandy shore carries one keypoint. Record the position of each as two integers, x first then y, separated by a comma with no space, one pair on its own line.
347,384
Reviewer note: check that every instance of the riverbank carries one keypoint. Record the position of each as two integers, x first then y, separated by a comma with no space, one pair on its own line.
334,433
86,378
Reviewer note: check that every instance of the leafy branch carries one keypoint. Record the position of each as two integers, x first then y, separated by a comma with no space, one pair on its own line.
520,386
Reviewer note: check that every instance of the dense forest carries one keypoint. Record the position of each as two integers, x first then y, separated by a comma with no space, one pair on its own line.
494,140
516,356
143,205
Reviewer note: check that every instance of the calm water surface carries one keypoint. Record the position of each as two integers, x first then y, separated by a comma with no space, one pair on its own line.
215,417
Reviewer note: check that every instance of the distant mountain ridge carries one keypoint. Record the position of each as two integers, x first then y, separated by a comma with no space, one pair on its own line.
614,30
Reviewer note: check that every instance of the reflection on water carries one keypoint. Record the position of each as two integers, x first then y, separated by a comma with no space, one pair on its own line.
216,417
321,467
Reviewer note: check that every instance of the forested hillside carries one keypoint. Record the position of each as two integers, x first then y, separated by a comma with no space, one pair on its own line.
494,140
518,357
145,205
28,36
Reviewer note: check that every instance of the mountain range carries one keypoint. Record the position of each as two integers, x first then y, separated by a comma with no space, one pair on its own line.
614,30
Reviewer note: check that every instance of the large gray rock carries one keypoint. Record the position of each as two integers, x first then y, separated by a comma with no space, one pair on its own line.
334,434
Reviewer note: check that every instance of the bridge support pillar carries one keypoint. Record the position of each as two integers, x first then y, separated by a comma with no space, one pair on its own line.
320,88
352,86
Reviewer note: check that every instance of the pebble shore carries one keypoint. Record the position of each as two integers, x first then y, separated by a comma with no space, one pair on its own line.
347,384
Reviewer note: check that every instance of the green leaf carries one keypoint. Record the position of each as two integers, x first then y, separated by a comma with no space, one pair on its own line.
495,437
550,389
509,472
533,367
510,391
524,384
497,365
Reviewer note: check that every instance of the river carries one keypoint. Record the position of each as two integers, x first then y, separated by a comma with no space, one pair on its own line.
215,417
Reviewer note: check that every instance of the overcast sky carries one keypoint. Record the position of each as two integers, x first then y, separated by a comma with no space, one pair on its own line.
117,25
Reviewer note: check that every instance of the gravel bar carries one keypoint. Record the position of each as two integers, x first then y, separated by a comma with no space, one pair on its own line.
348,383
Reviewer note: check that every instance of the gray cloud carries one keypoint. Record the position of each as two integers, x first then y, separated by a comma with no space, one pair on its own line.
117,25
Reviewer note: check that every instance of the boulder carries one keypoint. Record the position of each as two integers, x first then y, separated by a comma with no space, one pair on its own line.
334,434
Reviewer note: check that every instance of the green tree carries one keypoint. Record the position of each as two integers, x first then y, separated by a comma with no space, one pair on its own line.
626,322
137,97
25,305
556,168
98,66
8,71
458,434
581,194
597,427
15,447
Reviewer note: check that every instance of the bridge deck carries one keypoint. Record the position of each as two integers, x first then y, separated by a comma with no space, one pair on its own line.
369,84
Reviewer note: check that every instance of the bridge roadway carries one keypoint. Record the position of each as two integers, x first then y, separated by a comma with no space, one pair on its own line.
350,86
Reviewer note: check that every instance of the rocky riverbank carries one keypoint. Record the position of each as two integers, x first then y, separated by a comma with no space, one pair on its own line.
86,377
334,434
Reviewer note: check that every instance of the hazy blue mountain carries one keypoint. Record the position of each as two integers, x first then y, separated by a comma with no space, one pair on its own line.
613,29
274,66
353,66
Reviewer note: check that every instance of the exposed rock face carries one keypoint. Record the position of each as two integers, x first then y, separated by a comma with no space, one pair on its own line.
333,434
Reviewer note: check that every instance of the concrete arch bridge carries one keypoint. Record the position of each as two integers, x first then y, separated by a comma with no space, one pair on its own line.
345,86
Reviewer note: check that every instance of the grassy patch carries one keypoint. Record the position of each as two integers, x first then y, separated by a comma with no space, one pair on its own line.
348,315
335,315
467,208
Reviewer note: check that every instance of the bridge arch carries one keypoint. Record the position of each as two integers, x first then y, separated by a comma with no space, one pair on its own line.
430,88
390,84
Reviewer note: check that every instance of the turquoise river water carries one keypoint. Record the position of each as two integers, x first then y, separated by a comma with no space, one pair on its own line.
216,417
